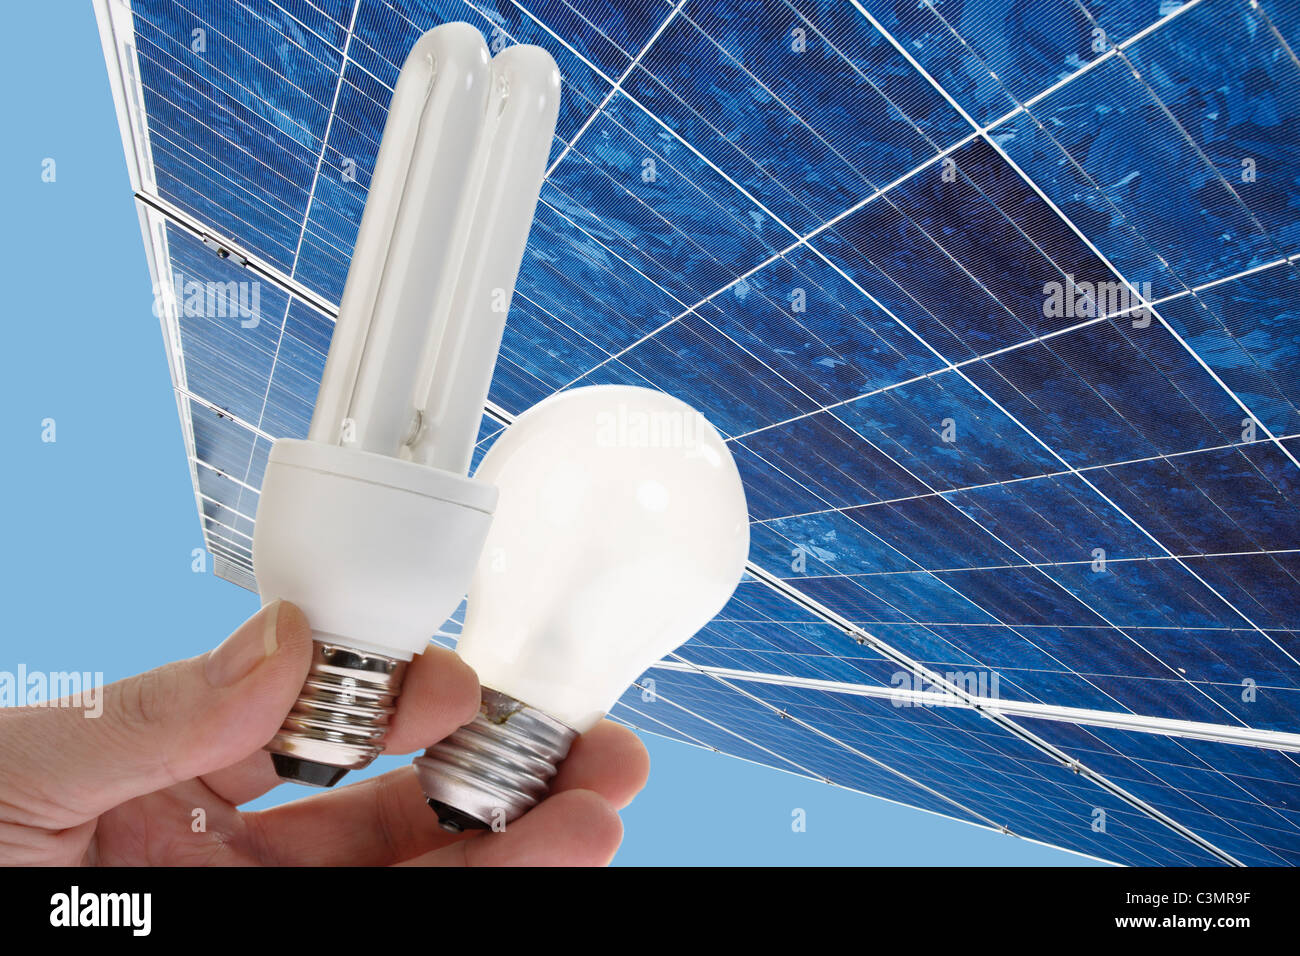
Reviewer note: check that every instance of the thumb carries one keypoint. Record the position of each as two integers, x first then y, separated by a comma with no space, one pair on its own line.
169,724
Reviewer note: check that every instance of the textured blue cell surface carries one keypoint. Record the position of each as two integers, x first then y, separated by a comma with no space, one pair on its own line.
997,305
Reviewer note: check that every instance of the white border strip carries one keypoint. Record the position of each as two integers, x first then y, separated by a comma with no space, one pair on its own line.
1138,723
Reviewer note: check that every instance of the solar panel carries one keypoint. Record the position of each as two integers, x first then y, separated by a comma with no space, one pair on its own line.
994,303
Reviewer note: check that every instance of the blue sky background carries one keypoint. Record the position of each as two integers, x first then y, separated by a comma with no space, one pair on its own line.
101,523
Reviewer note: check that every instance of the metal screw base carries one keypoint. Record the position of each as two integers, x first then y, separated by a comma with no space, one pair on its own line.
495,769
339,720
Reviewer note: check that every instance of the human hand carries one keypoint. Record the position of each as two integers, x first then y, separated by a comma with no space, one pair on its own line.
123,788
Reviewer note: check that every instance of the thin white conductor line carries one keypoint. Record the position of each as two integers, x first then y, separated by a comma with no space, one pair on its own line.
1012,481
947,367
325,137
302,233
616,88
1041,564
226,507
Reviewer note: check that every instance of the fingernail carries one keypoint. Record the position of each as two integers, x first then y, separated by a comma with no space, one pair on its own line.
239,654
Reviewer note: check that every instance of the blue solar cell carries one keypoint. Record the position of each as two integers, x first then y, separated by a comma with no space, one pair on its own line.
1242,799
818,461
993,56
1262,587
1207,91
1099,376
1244,330
575,279
943,431
654,207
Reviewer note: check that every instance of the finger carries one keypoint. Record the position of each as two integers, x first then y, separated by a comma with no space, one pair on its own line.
440,693
574,828
385,819
373,822
244,780
179,721
609,759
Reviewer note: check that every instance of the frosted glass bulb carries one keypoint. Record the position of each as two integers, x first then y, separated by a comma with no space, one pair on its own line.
621,529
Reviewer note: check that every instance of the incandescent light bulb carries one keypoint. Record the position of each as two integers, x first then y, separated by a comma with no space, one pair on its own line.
621,529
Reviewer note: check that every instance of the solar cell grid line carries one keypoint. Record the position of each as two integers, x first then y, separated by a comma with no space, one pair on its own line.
947,367
1053,564
329,123
561,214
1006,481
1137,723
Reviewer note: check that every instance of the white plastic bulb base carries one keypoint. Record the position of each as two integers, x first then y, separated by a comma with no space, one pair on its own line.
377,553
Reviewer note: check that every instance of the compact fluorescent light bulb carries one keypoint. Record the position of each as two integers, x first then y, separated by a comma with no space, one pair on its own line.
371,525
621,529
